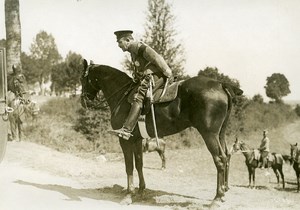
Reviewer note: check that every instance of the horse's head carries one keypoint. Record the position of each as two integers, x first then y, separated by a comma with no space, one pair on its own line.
239,146
17,84
88,92
294,151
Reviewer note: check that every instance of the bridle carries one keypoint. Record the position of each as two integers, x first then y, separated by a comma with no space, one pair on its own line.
89,82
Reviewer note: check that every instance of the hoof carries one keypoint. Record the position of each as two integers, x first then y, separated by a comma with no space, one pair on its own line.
215,204
127,200
163,168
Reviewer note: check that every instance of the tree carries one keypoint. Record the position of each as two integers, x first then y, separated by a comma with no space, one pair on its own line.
297,110
160,34
59,78
277,87
213,72
30,70
13,34
258,98
44,52
74,68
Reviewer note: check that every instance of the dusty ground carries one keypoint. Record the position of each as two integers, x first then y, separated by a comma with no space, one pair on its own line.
36,177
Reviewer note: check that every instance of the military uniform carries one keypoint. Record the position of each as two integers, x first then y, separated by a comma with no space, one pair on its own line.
264,149
147,64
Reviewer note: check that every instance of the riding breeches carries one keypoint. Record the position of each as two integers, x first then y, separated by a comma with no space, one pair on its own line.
141,92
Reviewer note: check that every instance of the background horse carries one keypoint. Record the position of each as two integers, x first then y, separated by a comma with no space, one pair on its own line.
16,117
18,97
150,145
295,158
202,103
252,162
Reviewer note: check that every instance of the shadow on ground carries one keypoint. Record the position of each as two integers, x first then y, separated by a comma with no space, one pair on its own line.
116,193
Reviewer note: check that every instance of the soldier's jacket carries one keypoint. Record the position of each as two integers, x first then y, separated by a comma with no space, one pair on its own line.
265,144
147,61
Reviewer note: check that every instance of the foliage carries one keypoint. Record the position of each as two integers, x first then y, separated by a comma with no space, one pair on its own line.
94,124
258,98
44,51
160,34
29,68
277,87
297,110
73,70
54,127
59,78
213,72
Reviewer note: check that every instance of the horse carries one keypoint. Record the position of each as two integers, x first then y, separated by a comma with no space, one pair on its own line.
201,102
252,162
150,145
295,160
18,96
16,117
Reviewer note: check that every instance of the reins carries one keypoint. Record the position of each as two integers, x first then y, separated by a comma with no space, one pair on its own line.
113,94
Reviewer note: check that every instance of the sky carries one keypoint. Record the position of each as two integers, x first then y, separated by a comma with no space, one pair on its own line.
248,40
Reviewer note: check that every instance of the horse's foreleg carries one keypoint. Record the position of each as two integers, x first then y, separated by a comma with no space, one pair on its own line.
298,181
127,148
138,155
253,176
249,176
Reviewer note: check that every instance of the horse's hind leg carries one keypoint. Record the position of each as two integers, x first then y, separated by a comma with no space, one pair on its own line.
282,176
212,143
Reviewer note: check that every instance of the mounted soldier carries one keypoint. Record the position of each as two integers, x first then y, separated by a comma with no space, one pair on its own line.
149,66
264,149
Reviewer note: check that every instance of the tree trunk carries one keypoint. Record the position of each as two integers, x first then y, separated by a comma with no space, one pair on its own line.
13,34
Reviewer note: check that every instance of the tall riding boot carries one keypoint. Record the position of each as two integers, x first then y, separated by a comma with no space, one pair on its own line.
130,122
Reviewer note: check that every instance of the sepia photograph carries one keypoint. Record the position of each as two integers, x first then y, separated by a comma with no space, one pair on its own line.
149,104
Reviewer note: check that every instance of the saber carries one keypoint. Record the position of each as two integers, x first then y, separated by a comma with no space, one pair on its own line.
152,111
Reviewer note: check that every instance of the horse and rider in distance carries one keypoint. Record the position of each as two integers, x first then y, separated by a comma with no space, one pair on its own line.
261,158
199,102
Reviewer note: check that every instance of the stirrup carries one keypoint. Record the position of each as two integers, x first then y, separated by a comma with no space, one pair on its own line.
123,133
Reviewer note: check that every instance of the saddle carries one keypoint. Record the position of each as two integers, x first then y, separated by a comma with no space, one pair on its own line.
158,96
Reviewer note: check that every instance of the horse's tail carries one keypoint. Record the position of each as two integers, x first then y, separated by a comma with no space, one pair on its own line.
231,92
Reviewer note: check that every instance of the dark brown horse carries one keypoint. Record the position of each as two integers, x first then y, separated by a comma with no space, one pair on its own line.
276,163
201,102
295,158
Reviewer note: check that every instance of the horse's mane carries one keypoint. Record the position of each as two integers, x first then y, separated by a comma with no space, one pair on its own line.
114,73
245,146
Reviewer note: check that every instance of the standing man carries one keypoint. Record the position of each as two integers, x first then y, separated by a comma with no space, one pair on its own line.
147,64
264,149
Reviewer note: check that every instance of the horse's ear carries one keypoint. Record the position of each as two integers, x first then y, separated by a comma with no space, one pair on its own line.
85,64
236,140
296,144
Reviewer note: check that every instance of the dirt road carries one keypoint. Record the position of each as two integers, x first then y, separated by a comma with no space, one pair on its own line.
34,177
